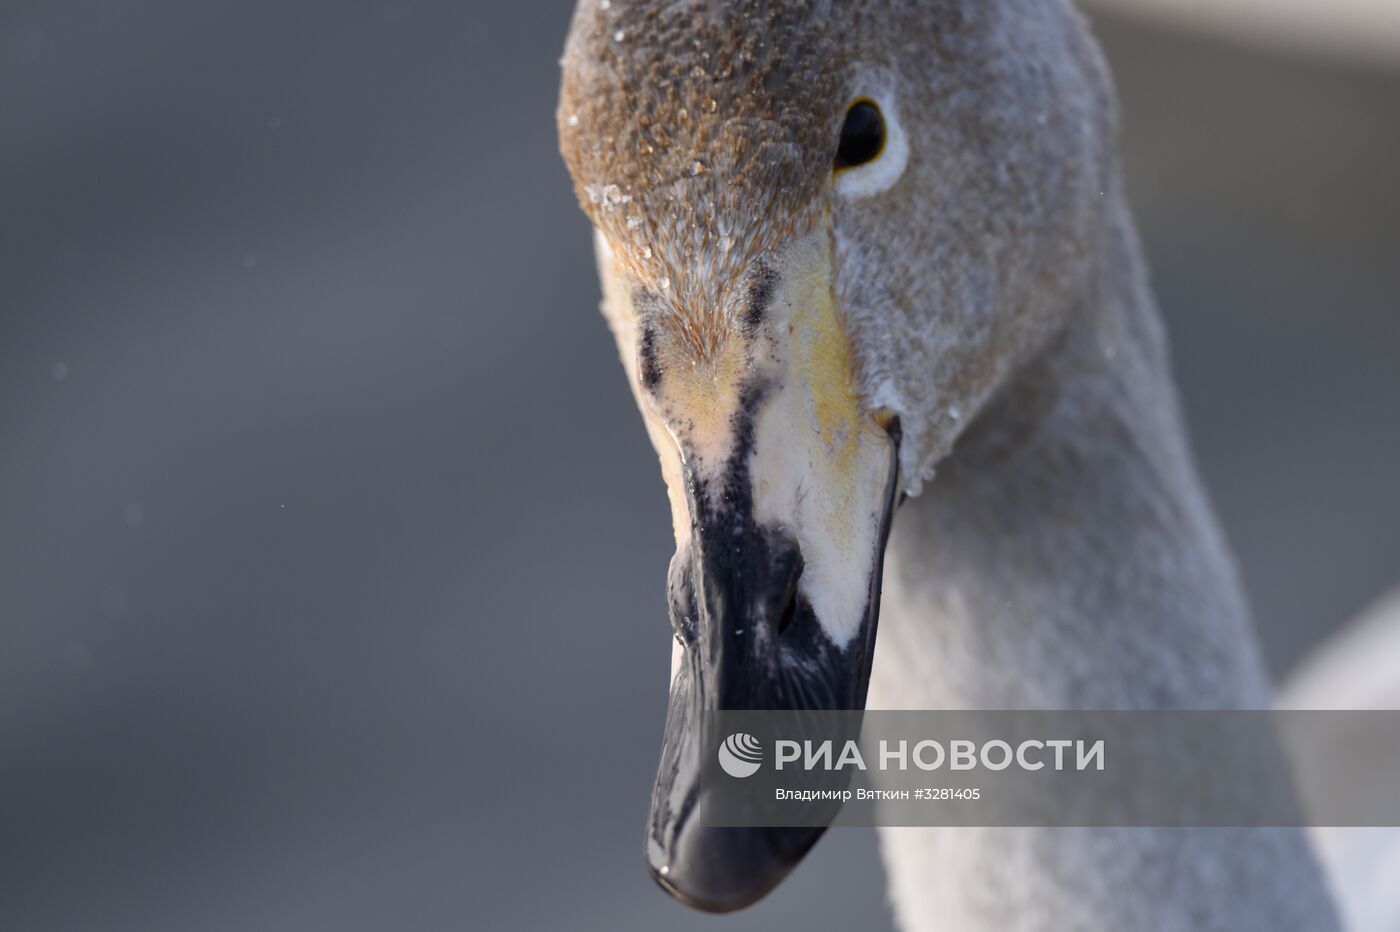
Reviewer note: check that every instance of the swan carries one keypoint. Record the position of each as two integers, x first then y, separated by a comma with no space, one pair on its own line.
875,256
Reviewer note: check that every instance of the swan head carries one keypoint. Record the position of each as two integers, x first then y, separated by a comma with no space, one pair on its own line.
826,233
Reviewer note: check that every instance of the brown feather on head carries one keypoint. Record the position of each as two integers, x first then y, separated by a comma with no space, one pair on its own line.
699,138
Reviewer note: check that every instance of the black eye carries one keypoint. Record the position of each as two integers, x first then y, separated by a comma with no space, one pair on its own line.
862,135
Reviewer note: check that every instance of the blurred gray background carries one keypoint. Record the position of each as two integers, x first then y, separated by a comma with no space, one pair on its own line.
328,533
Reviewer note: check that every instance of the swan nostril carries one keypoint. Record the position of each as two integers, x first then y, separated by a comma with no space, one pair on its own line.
789,612
788,565
716,593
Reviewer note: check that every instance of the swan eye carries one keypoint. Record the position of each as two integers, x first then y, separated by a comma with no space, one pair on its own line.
862,135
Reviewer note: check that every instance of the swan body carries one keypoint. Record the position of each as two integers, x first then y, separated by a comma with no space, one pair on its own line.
1347,29
1355,669
963,318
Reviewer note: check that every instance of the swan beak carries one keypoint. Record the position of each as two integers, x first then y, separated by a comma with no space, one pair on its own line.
751,640
783,487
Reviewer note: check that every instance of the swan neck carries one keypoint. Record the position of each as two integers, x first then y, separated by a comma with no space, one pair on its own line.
1065,556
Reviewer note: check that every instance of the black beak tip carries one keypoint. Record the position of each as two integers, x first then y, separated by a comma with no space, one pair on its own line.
720,870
